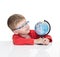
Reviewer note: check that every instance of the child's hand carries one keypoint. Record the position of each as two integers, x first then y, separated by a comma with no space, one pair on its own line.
38,41
45,41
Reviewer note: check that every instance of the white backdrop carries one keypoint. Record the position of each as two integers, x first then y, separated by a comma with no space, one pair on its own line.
34,11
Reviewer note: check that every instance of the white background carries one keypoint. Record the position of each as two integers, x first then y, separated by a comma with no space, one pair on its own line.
34,11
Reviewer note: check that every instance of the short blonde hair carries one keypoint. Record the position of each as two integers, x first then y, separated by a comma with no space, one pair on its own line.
13,20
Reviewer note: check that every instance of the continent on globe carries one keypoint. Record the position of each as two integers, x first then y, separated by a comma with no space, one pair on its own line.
42,28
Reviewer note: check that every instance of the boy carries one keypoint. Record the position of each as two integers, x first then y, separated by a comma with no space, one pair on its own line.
22,33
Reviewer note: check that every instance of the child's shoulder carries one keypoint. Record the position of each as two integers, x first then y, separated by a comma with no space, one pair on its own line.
32,31
16,35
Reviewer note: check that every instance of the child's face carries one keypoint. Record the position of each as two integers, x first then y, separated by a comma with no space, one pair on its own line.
22,27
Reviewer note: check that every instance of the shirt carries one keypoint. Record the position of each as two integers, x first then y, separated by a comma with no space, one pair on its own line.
19,40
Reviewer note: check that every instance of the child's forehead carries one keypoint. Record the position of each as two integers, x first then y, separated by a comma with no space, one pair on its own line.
21,22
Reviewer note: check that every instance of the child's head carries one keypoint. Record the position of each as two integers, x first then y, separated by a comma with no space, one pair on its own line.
18,24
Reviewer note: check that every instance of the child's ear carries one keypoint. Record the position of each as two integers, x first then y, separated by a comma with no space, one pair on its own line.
15,31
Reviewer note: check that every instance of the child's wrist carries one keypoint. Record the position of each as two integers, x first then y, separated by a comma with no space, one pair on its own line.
38,41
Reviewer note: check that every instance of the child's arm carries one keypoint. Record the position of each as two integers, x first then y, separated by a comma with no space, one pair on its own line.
45,40
22,41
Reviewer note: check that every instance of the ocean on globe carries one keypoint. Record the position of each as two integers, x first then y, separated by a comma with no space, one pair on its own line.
42,28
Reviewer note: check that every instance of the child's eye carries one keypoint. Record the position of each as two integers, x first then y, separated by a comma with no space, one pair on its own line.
22,26
25,23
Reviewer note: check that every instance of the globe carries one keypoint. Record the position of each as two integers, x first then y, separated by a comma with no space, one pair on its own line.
42,28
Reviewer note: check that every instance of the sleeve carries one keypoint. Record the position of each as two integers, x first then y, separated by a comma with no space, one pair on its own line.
34,35
49,37
22,41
